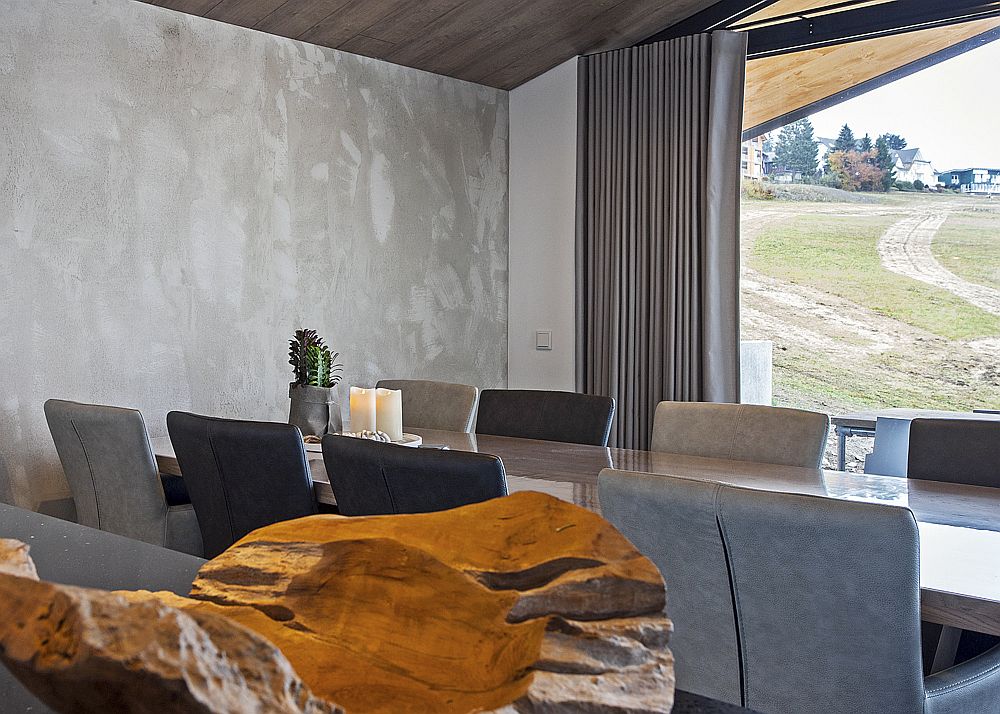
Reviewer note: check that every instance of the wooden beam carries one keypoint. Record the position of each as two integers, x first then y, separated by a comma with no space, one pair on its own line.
813,29
783,88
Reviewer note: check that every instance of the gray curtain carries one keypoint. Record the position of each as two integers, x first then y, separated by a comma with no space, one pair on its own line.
657,269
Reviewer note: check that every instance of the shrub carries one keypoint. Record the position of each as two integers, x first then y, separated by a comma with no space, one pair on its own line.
756,190
830,181
918,185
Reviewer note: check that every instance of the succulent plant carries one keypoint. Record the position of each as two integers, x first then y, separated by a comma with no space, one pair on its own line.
312,360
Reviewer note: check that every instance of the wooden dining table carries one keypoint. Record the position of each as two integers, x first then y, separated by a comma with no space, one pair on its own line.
959,525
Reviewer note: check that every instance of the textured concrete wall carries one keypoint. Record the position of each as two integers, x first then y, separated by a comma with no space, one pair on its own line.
178,195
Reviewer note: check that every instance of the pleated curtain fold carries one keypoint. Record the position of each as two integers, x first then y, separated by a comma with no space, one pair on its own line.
657,271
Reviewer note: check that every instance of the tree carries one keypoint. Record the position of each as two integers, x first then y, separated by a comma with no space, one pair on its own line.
885,162
865,143
845,140
797,149
855,171
895,141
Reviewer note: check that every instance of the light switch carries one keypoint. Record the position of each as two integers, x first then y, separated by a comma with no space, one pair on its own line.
543,339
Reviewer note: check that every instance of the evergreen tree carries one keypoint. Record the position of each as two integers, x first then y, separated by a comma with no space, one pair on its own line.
885,162
845,140
895,141
865,144
797,149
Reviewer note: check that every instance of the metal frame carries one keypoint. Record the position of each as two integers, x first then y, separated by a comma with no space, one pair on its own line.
822,28
844,431
837,23
874,83
719,16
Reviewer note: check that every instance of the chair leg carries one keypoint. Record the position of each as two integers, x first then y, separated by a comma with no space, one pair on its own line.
947,647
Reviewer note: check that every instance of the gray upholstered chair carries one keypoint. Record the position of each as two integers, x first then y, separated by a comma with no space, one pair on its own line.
112,473
369,478
435,405
955,450
569,417
744,432
790,603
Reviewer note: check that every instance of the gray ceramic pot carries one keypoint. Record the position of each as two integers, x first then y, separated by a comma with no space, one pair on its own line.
314,410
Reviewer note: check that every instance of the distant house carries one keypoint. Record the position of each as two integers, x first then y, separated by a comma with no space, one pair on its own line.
981,181
825,146
910,165
756,157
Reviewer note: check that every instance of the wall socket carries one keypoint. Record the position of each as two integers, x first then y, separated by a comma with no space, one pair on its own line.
543,339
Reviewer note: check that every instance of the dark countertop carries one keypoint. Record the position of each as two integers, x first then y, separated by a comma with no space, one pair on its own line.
72,554
76,555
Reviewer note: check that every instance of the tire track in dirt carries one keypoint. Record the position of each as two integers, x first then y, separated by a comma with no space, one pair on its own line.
905,249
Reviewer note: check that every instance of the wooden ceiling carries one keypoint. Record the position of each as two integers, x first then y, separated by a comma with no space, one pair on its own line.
777,86
500,43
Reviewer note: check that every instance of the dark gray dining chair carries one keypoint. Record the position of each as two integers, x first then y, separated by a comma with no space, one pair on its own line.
742,432
372,478
955,450
242,475
791,603
547,415
435,405
109,464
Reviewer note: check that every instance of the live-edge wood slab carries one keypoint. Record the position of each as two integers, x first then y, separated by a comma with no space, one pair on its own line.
520,604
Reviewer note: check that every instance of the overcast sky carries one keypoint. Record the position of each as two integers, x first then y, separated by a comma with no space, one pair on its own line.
951,111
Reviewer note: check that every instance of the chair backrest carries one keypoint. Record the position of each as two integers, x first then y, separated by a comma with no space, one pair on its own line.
241,475
435,405
546,415
372,478
780,602
955,450
110,468
744,432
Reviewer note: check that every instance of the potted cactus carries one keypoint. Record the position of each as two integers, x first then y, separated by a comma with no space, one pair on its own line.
314,409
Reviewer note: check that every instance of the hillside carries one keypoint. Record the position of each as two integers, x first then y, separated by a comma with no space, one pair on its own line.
893,302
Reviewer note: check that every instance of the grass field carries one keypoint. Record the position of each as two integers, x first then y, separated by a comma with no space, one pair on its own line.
848,333
838,254
968,244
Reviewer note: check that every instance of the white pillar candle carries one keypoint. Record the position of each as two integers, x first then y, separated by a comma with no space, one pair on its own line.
362,409
389,412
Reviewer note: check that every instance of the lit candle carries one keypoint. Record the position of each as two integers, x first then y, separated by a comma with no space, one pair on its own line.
389,412
362,409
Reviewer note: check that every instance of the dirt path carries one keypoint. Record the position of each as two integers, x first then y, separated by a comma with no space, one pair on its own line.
905,249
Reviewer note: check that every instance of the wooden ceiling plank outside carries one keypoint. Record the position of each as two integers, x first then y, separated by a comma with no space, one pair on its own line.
776,86
789,7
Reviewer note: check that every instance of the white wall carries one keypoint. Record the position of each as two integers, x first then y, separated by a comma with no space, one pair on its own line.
542,173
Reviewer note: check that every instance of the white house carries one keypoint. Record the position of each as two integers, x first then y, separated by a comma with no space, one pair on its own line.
910,165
